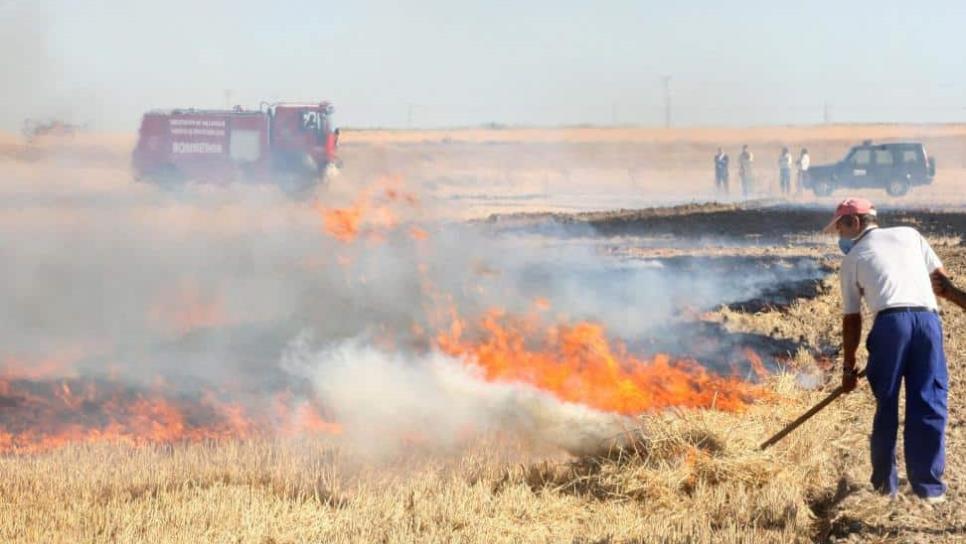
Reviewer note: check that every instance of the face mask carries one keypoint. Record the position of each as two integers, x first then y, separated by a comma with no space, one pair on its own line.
846,244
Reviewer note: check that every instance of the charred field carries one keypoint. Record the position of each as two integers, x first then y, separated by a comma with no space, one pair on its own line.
684,475
229,365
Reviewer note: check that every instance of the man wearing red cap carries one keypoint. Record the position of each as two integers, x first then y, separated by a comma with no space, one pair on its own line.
890,269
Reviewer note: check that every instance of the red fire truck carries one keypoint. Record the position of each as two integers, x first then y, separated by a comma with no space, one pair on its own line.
289,144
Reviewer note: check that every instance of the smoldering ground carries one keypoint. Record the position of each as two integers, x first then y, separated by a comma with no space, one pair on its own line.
246,292
390,400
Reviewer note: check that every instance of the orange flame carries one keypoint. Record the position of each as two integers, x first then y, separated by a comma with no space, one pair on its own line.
375,212
343,223
579,364
39,416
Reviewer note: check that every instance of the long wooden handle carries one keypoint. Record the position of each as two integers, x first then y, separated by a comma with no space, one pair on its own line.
836,393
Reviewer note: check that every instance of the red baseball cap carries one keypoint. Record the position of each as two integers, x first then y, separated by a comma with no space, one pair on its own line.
850,206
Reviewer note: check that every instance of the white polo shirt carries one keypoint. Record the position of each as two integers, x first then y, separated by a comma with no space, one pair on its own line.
889,268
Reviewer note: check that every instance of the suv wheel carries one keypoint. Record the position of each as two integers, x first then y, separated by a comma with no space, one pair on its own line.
898,187
822,187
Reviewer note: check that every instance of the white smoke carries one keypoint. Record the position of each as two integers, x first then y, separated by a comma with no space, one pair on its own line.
390,400
207,286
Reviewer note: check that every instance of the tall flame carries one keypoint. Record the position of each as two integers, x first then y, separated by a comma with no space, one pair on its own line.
577,363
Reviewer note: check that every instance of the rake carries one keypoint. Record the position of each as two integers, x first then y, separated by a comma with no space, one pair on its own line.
836,393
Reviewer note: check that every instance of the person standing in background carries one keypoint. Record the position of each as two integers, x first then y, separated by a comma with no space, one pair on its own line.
745,161
721,172
785,171
803,162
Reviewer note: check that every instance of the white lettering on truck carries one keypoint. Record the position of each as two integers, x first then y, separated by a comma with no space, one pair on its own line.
217,123
197,132
196,147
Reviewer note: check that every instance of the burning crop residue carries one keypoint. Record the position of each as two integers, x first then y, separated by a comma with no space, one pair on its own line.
578,363
348,325
372,213
48,403
566,384
474,372
39,415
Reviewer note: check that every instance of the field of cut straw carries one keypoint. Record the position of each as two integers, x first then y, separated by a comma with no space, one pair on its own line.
688,476
677,476
682,476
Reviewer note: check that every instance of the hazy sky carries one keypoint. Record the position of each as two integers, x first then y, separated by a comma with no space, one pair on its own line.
451,62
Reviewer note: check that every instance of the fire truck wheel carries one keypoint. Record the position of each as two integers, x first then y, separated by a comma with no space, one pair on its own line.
298,186
167,176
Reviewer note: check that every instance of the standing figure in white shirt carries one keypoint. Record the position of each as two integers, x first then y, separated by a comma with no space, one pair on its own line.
745,162
785,171
890,269
803,162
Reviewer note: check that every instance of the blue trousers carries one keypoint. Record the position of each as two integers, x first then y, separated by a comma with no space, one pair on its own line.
908,346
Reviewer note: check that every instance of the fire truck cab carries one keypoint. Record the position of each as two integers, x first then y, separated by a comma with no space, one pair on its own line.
288,144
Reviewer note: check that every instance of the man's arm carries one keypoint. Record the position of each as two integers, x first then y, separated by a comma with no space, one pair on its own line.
943,287
851,332
957,296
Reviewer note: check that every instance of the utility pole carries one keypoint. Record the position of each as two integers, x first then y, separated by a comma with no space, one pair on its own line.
228,98
827,113
667,101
